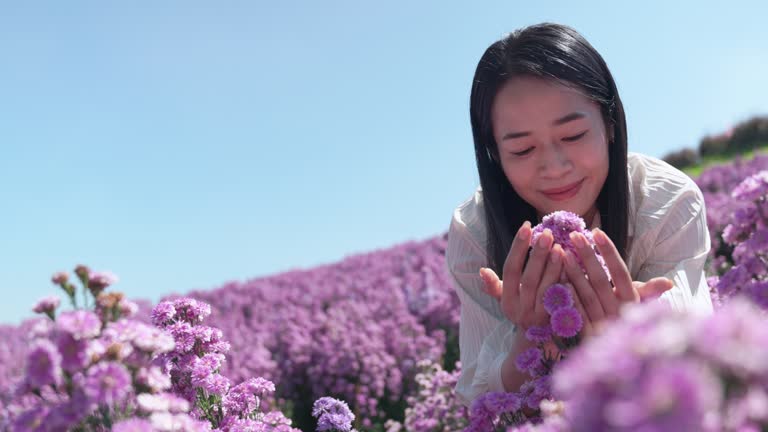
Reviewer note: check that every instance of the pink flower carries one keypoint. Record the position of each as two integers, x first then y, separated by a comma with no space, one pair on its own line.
47,305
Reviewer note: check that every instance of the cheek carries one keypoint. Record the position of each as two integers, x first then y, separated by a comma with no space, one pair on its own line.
596,156
518,182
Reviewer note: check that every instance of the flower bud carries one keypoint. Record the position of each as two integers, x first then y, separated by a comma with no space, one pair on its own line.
82,271
98,281
114,352
47,306
109,300
59,278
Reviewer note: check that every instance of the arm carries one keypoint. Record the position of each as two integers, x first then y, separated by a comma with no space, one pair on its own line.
680,252
485,335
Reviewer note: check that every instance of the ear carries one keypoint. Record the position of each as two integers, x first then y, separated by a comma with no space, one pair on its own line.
611,133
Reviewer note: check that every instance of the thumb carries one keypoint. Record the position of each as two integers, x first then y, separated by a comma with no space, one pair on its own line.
492,285
653,288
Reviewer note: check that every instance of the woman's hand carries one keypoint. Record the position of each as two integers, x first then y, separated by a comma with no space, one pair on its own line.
521,290
598,296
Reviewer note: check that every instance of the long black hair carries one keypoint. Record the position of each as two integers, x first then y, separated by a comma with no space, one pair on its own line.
555,52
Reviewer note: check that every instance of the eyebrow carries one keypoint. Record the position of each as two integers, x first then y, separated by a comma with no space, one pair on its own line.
562,120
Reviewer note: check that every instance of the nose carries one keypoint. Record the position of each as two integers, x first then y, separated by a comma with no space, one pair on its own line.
554,161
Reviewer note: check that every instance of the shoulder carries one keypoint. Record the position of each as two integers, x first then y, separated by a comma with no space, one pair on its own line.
467,229
658,188
665,205
469,217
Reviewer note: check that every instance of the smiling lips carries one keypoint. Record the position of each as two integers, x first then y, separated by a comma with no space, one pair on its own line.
565,192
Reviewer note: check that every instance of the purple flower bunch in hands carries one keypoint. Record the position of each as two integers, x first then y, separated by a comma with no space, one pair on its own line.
562,224
563,332
748,235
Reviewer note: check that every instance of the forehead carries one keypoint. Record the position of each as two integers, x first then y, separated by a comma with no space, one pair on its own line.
530,100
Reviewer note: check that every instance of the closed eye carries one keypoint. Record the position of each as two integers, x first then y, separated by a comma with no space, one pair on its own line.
524,152
575,137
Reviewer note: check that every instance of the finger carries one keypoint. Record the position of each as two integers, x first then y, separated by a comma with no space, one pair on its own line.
653,288
492,285
585,292
531,277
513,268
596,274
550,277
619,273
587,326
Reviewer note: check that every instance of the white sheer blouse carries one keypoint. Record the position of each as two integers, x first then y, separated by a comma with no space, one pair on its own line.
667,237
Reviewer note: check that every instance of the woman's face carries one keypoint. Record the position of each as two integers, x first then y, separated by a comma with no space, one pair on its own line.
552,145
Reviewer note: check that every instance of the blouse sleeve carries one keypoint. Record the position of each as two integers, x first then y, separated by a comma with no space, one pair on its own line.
680,249
485,335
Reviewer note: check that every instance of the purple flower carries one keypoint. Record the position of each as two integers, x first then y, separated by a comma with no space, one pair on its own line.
332,414
242,399
41,328
561,224
539,334
163,421
487,408
215,384
81,324
47,305
98,281
752,187
533,400
247,425
566,322
205,374
163,314
733,280
674,395
556,297
191,310
127,308
32,420
132,425
153,378
107,383
70,412
735,338
528,359
183,335
43,364
152,340
163,402
659,369
758,292
74,353
434,405
497,403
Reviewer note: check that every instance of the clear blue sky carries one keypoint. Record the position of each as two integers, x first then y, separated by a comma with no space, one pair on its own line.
183,144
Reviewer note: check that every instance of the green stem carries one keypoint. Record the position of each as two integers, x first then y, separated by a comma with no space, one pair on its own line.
105,416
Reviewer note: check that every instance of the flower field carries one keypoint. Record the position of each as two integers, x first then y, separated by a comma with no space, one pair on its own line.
371,343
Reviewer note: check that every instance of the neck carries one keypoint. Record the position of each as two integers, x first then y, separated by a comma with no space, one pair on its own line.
589,217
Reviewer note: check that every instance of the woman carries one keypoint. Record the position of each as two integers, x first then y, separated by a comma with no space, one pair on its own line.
550,134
